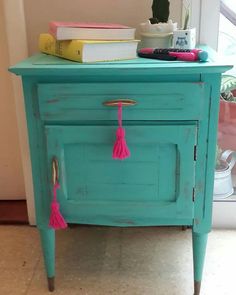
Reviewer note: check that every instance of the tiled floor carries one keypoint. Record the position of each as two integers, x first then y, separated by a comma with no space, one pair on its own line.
103,260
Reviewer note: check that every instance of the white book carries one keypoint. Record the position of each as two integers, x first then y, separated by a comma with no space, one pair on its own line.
90,31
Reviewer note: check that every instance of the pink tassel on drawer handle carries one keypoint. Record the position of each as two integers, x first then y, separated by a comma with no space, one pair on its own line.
120,149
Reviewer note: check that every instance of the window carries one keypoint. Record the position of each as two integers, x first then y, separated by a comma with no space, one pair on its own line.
227,32
215,21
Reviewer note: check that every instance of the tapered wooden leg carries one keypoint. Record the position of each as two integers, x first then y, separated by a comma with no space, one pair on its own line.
199,251
48,247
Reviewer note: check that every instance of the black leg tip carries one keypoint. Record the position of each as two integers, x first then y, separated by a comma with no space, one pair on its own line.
197,288
51,284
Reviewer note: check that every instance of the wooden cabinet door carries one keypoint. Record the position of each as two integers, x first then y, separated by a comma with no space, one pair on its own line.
153,185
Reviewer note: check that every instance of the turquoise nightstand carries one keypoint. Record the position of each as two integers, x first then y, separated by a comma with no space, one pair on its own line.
171,133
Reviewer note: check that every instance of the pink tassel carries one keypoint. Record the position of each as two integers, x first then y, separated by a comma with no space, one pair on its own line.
56,220
120,149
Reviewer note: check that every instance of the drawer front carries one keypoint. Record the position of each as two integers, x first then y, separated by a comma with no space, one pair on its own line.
155,182
154,101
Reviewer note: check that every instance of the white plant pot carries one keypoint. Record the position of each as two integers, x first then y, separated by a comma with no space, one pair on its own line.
223,186
184,39
156,40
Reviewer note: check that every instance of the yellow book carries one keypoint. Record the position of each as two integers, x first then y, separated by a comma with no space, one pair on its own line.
88,50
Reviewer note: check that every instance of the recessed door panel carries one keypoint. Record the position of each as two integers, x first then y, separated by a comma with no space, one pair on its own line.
159,174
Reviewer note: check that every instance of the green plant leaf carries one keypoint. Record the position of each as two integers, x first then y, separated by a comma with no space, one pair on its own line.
161,10
186,19
228,83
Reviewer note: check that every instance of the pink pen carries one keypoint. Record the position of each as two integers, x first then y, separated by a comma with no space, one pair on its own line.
185,56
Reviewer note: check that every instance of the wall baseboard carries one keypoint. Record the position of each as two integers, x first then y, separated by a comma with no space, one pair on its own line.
13,212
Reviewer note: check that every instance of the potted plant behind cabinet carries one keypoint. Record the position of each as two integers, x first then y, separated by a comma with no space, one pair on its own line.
227,115
223,186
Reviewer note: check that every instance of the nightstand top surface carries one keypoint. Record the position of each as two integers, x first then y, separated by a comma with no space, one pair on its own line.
40,63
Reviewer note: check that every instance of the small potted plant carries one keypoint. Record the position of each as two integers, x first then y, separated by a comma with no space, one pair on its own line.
185,38
157,32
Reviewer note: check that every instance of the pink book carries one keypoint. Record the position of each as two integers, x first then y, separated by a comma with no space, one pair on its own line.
90,31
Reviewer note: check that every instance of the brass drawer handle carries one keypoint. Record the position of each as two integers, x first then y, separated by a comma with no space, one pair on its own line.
55,170
115,102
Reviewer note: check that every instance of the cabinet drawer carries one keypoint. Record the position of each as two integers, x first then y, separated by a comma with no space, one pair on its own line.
154,101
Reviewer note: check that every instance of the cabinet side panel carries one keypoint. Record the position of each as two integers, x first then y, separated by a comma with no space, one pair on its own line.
205,165
37,152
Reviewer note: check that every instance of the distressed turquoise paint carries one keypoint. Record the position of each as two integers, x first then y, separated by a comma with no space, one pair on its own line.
199,250
178,101
41,64
92,183
208,136
48,245
177,108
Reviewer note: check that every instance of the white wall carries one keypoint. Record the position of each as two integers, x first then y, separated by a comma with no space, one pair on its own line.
14,21
129,12
11,173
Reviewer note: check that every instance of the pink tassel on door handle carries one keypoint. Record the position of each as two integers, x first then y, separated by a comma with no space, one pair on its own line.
120,149
56,220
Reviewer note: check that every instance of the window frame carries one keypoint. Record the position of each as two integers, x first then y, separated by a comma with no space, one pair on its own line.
207,24
205,17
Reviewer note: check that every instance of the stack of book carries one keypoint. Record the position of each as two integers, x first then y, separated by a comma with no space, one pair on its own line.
89,42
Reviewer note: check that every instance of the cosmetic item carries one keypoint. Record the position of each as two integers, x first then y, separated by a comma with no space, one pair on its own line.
174,54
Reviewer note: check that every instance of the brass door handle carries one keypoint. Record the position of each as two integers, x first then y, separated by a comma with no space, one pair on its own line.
55,170
124,101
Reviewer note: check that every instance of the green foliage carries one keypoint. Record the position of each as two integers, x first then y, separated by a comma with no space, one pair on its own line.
186,19
228,84
160,11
